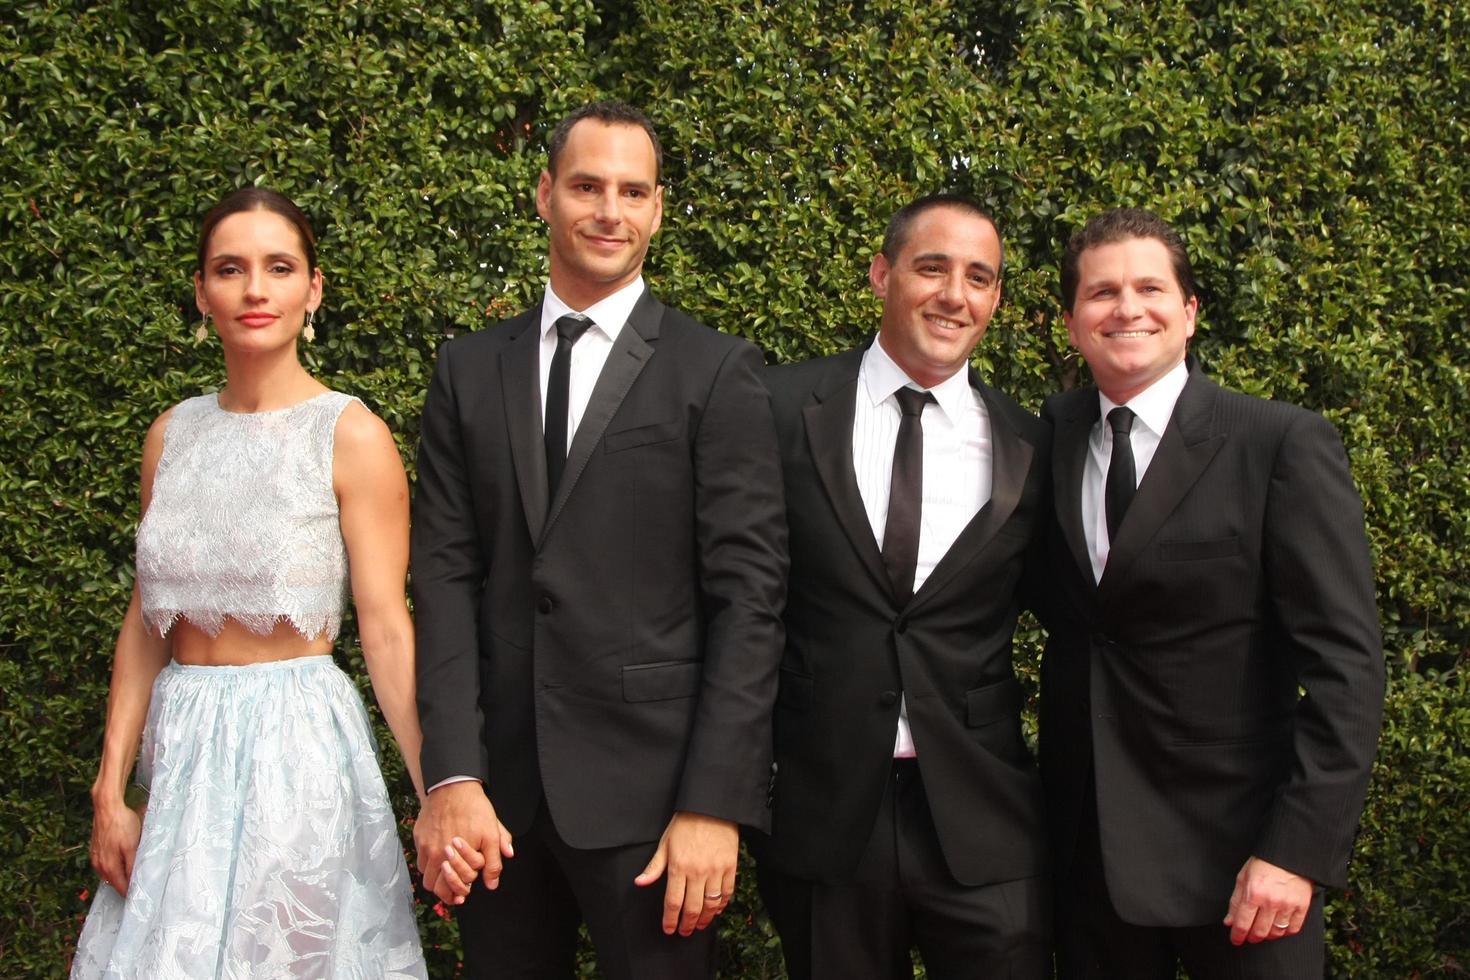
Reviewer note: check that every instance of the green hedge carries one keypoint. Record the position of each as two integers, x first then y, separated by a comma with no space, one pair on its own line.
1313,152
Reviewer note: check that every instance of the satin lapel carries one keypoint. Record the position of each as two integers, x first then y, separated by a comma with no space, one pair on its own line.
829,420
520,389
629,354
1188,445
1010,462
1073,426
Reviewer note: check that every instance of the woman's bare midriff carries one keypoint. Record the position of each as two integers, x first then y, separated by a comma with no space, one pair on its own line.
236,646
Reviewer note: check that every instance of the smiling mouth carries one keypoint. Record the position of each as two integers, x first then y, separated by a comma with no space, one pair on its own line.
943,323
1129,334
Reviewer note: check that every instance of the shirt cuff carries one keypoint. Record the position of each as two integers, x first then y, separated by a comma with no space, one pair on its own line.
453,779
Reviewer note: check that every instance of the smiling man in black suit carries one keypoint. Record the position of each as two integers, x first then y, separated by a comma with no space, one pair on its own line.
907,807
1213,680
599,561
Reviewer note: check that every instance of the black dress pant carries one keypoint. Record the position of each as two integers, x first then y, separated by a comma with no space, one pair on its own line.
1094,943
903,896
527,928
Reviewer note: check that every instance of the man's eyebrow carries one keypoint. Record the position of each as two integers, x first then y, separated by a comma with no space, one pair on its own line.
946,258
583,177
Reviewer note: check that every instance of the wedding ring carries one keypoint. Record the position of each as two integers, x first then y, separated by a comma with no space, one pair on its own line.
715,897
1283,925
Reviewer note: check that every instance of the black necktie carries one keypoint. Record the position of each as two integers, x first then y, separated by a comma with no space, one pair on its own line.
568,330
905,494
1121,483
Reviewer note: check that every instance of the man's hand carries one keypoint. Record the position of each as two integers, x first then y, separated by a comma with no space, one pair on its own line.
459,838
699,853
1268,903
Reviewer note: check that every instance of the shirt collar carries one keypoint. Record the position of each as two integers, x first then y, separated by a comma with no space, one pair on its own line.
1154,404
607,314
881,376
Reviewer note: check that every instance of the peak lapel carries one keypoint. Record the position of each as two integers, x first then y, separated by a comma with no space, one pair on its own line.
629,354
1010,462
520,389
1073,423
829,419
1188,445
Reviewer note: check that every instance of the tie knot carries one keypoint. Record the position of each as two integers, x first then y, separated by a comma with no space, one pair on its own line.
572,326
1121,419
911,401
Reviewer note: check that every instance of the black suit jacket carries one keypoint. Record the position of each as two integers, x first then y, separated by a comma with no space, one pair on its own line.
1240,576
614,648
852,649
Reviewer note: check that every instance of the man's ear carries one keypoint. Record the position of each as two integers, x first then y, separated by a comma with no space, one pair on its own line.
543,196
878,275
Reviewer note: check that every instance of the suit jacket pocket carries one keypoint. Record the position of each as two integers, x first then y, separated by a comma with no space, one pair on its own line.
795,691
1205,740
642,435
993,702
662,681
994,711
1199,550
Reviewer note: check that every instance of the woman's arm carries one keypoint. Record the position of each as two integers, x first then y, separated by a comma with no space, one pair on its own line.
136,661
372,495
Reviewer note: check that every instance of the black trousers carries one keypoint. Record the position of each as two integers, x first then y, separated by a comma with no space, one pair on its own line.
527,928
903,896
1094,943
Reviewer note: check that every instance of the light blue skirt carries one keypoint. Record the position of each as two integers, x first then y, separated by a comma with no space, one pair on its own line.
269,846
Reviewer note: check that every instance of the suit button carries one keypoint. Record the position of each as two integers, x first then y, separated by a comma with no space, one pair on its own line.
888,699
544,604
901,626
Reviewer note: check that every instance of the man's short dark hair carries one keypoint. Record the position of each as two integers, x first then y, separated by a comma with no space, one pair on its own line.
901,224
613,113
1120,225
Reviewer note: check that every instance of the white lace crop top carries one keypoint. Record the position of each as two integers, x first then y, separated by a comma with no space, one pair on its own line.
243,520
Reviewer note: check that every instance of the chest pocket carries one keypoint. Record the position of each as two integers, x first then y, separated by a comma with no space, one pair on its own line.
643,435
1199,550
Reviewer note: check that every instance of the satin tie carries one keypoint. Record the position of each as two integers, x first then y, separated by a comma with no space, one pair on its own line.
1121,482
569,330
905,494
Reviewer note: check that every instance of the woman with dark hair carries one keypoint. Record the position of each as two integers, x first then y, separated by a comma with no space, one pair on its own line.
266,845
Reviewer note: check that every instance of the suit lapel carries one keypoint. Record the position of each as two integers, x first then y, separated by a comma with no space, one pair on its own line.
1075,417
1010,462
1188,445
829,419
520,389
629,354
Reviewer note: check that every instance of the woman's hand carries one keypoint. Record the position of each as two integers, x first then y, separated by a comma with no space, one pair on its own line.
116,831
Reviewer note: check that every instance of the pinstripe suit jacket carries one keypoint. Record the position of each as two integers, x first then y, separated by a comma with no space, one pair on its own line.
1224,680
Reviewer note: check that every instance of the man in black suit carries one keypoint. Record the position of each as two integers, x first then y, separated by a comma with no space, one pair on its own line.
1213,679
907,807
597,597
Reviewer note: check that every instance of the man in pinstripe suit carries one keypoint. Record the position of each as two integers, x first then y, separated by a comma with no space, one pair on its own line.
1213,679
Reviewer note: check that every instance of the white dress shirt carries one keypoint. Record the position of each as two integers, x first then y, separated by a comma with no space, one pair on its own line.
957,466
608,316
1153,406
